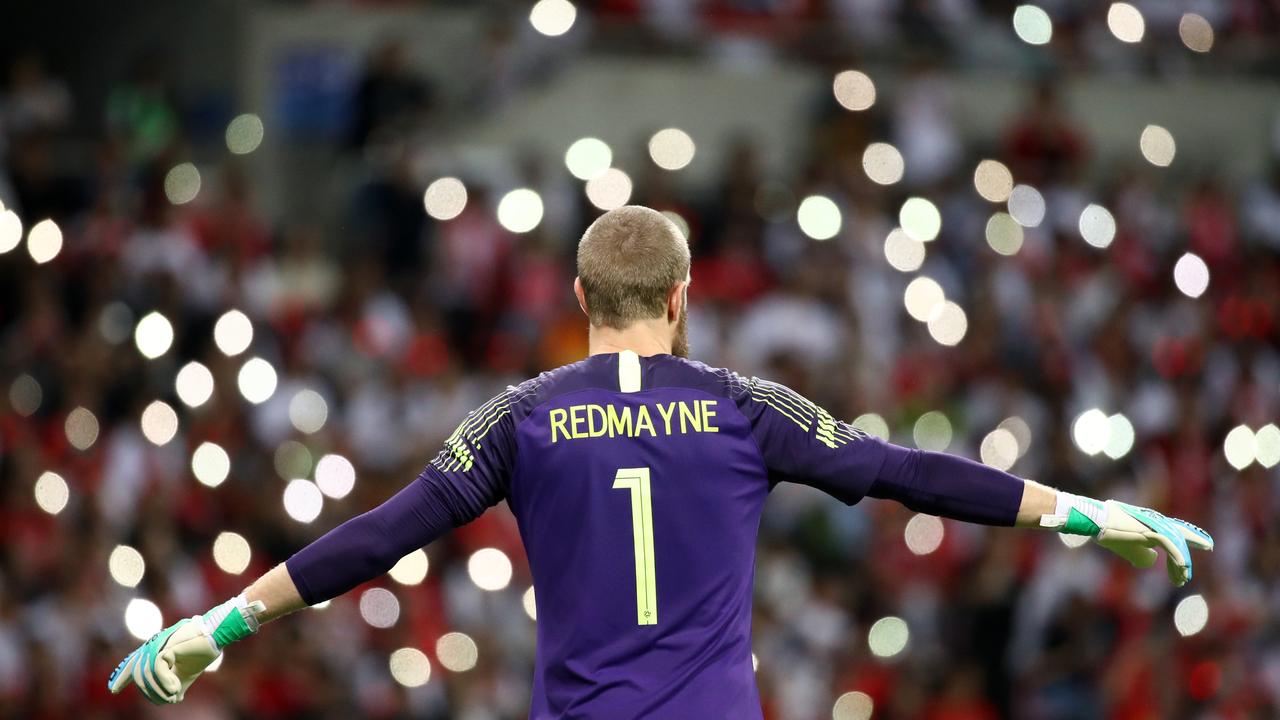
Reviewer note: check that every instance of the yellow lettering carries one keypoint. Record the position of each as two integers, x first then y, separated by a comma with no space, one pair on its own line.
643,421
619,425
689,418
666,414
576,420
592,429
558,418
708,412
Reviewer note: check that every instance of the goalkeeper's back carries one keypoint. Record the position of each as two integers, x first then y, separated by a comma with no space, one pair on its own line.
638,484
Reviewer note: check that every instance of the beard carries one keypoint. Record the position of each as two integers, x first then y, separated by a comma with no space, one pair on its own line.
680,340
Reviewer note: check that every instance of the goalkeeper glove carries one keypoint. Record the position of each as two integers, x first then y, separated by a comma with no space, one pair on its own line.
164,666
1131,532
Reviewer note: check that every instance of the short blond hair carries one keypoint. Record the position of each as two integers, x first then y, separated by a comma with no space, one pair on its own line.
628,261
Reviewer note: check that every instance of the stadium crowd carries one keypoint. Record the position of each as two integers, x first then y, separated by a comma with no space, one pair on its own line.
398,324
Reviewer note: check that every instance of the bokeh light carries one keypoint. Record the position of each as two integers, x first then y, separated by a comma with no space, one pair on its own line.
10,231
1091,431
153,335
445,198
410,667
1125,22
1097,226
1190,615
922,295
872,424
182,184
308,411
853,705
1191,275
904,253
303,500
932,431
457,652
81,428
888,637
193,384
993,181
51,492
588,157
1026,205
610,189
1004,234
1020,430
681,224
379,607
1266,446
126,566
948,323
671,149
1240,447
553,17
44,241
233,333
256,380
520,210
142,618
819,217
1157,145
923,534
244,134
335,475
231,552
411,569
489,568
1120,436
854,90
292,459
883,163
25,395
530,604
920,219
1032,25
999,449
210,464
1196,33
159,422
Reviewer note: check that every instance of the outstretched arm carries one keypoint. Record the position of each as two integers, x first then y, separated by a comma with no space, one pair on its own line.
467,477
954,487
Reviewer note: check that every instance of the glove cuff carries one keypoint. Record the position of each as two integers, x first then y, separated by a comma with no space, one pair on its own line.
1076,515
233,620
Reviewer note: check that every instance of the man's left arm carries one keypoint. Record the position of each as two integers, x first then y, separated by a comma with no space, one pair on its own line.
954,487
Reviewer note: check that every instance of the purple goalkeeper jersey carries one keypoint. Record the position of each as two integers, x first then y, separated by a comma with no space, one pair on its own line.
638,484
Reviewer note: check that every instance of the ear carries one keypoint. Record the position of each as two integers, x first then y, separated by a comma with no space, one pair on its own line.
581,294
676,300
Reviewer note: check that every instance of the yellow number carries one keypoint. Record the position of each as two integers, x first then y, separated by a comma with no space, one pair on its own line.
637,481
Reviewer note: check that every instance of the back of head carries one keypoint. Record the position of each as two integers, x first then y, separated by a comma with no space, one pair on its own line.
628,261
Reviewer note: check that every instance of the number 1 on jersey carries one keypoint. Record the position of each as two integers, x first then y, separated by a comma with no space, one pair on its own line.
637,481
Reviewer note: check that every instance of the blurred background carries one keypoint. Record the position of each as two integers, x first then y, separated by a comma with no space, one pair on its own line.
257,259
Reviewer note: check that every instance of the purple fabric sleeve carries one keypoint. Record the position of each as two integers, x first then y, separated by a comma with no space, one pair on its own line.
800,442
367,545
469,476
948,486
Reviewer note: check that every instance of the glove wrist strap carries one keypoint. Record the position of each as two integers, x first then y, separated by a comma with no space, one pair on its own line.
1076,515
233,620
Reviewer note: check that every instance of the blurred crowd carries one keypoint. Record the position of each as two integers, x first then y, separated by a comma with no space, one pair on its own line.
401,323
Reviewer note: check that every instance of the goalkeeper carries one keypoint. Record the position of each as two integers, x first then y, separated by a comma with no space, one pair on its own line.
638,458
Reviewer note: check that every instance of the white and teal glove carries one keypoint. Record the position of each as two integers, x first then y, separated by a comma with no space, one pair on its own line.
164,666
1131,532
